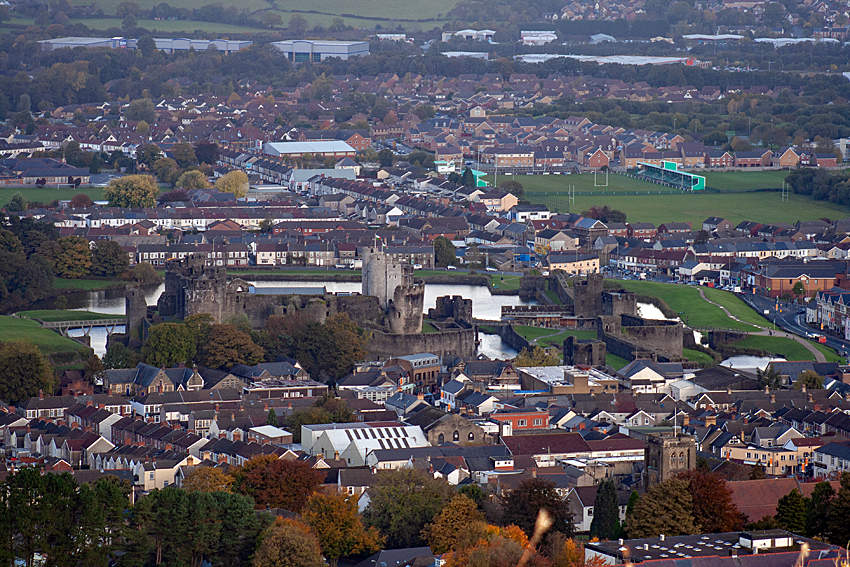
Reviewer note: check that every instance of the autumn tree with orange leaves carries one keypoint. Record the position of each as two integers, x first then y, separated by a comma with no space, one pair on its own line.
335,521
276,483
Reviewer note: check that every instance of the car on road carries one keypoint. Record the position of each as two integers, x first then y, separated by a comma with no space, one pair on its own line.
451,267
491,269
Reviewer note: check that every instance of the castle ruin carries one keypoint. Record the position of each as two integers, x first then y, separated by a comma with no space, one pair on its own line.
399,295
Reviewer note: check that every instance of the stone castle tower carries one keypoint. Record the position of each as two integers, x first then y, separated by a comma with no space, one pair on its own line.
136,309
398,294
192,287
666,455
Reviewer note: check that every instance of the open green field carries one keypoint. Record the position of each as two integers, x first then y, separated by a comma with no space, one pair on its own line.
789,349
49,315
546,185
614,361
697,356
505,282
665,206
167,26
357,13
110,6
14,329
47,194
743,180
695,311
84,285
735,306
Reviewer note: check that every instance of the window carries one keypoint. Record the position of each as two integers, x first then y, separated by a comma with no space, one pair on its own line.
470,437
538,421
521,423
455,435
441,439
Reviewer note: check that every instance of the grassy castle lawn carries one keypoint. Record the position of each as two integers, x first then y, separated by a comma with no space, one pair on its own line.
789,349
658,204
51,315
15,329
696,312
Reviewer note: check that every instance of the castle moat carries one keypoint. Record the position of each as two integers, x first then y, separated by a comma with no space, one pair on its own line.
484,305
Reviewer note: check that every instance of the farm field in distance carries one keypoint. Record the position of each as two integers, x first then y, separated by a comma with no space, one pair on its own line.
667,205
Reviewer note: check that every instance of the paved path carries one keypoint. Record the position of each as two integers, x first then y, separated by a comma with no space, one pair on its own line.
819,356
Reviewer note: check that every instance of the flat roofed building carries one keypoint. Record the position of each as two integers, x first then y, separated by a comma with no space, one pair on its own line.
324,148
166,44
315,50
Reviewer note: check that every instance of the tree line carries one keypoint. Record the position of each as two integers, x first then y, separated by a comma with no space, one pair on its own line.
327,350
227,518
821,184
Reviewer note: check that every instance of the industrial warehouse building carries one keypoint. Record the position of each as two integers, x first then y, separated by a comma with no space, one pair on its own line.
167,44
323,148
310,50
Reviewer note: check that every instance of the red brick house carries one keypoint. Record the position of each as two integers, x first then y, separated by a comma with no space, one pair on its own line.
522,419
826,160
597,159
755,158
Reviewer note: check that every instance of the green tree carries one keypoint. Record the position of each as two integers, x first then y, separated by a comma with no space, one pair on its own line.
109,259
666,508
403,502
146,46
791,512
141,109
132,191
606,512
271,418
225,346
537,356
168,345
468,178
235,182
166,170
148,154
444,252
74,258
335,521
810,379
446,532
120,356
142,273
25,371
206,152
514,187
817,511
184,154
522,505
386,157
288,543
769,377
838,529
193,179
17,203
297,26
